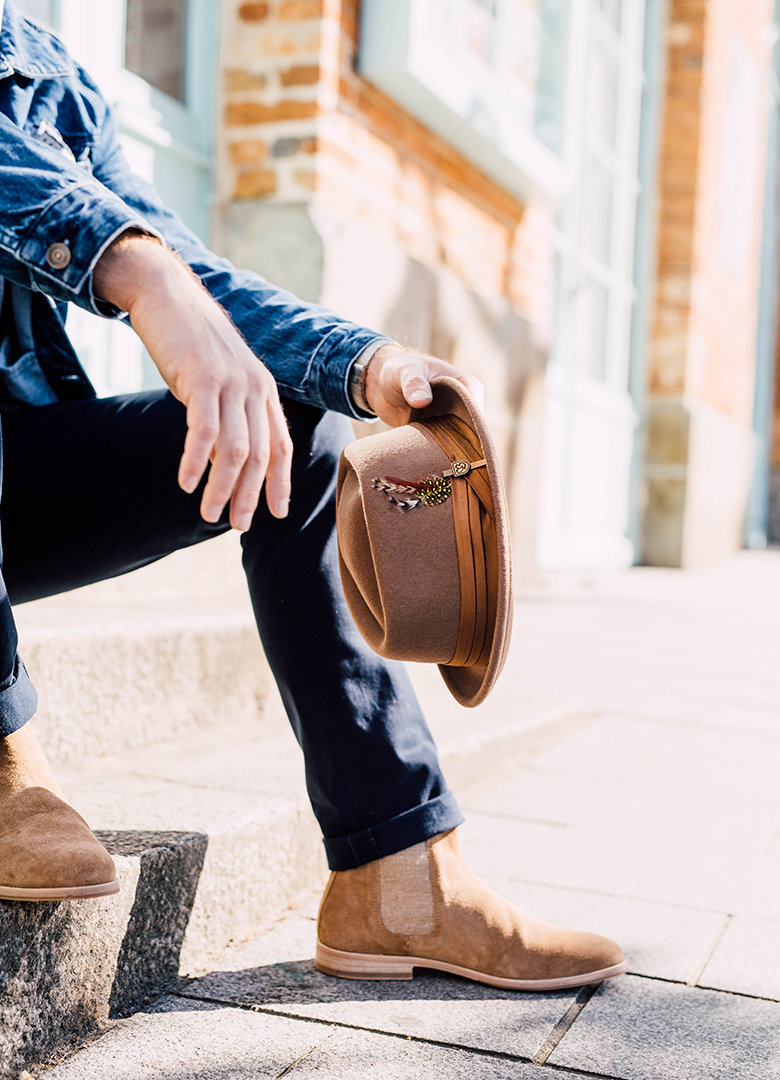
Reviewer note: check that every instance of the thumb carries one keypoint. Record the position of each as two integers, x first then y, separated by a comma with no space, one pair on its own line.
415,388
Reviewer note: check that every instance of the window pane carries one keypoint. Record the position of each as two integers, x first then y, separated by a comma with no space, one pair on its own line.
551,85
598,211
598,318
36,9
481,27
155,39
603,95
612,9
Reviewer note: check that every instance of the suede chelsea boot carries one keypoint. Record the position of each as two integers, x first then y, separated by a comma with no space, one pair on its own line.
423,907
47,850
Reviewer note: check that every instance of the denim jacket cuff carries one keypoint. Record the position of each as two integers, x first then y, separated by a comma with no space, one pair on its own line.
332,362
86,218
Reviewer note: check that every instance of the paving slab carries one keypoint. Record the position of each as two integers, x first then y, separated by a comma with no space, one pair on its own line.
618,748
277,973
358,1054
643,1029
665,941
745,819
179,1040
186,1040
651,868
747,958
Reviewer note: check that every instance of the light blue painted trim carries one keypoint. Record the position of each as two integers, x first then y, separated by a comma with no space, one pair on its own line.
757,514
533,171
644,253
384,36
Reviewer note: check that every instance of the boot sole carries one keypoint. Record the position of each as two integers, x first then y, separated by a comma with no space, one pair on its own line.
74,892
349,965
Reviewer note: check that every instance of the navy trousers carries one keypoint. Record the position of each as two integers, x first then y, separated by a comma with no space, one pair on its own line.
89,491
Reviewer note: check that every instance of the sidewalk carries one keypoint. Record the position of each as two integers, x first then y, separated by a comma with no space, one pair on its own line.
649,812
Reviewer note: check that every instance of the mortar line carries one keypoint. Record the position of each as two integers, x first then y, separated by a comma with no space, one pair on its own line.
711,989
563,1025
298,1060
699,970
478,1051
613,895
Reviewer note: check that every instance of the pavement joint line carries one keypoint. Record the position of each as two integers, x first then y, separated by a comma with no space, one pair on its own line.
616,896
583,1074
294,1064
502,816
700,967
702,986
691,725
264,1010
521,1059
563,1025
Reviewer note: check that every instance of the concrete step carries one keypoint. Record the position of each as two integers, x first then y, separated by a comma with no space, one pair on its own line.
152,656
213,838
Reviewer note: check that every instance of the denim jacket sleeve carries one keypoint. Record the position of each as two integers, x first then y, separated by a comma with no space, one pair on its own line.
49,199
308,349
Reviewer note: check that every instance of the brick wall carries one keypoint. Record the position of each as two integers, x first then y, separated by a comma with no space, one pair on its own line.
701,361
300,123
318,168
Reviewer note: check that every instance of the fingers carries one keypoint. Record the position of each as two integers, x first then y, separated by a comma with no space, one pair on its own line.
417,390
269,461
277,477
202,433
246,493
245,435
474,387
231,451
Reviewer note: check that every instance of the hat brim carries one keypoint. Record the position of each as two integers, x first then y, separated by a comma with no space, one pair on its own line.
471,685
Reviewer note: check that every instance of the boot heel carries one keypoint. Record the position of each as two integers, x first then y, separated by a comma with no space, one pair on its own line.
350,965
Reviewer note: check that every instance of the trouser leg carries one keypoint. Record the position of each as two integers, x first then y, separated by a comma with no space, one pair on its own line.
91,492
18,699
371,764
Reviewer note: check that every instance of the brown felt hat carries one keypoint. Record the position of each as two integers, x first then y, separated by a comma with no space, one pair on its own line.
424,548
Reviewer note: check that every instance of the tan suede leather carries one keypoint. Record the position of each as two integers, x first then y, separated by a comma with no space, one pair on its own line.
349,914
46,844
474,928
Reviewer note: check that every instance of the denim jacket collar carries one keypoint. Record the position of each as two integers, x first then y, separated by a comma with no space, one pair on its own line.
27,51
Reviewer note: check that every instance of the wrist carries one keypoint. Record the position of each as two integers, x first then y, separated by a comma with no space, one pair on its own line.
132,267
370,377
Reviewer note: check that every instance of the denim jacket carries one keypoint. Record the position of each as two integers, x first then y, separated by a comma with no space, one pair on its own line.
66,192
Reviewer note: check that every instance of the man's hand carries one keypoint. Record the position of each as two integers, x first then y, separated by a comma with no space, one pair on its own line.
234,417
398,380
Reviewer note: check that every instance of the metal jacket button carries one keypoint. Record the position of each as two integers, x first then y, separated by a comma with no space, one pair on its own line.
58,256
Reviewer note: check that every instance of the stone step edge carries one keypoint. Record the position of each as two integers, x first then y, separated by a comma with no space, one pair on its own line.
108,958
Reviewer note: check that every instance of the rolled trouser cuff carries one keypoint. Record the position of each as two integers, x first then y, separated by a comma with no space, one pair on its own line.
18,700
412,827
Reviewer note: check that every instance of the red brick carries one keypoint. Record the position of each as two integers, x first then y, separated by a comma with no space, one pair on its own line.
248,152
306,75
307,178
253,12
255,184
300,9
244,80
251,112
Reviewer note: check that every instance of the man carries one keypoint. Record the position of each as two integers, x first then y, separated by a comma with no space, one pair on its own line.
94,488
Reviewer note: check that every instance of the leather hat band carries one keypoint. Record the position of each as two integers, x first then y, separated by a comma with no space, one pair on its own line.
475,538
